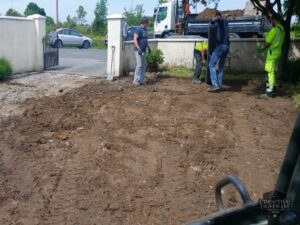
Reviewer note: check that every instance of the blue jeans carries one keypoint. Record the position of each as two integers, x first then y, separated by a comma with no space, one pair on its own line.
219,54
140,70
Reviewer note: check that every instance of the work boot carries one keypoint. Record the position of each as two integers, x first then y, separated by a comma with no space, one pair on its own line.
197,81
214,89
267,95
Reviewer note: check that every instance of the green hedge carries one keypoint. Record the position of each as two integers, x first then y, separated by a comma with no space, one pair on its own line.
5,68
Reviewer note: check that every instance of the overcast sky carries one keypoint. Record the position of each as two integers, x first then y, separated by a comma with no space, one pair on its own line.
67,7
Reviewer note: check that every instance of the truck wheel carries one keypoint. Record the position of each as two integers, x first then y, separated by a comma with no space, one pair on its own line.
166,35
234,36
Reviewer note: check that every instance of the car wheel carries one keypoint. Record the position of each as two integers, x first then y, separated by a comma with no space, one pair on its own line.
58,44
86,44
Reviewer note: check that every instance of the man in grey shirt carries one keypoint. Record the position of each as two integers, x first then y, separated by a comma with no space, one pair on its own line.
141,44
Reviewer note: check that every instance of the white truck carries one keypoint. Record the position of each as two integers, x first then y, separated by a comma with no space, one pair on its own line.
175,18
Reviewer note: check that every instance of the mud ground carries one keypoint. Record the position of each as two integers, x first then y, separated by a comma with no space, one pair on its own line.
117,154
14,91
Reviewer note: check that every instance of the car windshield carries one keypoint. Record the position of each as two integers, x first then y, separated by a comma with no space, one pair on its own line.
162,13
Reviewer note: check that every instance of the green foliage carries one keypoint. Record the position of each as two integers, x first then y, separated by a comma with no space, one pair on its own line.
98,45
33,8
154,59
150,28
100,23
81,14
5,68
12,12
296,11
84,29
49,21
71,22
295,30
134,16
161,1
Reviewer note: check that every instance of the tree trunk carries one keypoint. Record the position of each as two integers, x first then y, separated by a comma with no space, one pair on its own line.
283,73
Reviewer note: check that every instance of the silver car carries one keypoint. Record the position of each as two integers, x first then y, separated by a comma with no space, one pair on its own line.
70,38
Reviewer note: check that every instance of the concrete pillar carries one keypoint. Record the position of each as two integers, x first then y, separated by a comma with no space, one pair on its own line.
40,27
115,50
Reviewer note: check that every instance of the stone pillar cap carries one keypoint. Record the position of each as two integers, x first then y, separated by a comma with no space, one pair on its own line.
115,16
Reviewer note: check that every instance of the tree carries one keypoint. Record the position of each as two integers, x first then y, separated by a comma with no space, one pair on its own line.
81,14
100,12
71,22
33,8
296,11
161,1
134,16
12,12
49,21
286,11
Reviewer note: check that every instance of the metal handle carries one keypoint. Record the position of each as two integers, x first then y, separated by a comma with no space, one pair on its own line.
239,186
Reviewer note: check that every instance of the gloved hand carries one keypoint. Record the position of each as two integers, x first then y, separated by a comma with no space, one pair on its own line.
149,50
140,51
261,49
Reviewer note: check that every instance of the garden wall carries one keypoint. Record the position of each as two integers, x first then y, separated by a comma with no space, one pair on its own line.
179,52
22,42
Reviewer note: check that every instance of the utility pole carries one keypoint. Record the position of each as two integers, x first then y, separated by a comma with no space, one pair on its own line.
56,12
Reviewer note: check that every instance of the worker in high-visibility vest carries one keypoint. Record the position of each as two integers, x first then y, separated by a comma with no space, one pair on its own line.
200,56
273,44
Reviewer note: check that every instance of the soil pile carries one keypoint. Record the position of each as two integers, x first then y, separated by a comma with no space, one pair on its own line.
209,13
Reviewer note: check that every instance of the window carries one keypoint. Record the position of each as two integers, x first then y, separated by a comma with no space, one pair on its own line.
64,32
74,33
162,14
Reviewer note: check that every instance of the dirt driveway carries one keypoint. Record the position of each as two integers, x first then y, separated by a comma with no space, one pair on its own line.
116,154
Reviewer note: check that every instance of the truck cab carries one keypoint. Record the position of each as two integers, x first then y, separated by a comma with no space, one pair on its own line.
164,19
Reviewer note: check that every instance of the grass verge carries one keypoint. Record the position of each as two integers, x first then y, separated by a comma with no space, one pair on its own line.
98,44
181,71
178,71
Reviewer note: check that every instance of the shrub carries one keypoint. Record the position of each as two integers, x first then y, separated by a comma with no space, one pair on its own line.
154,59
5,68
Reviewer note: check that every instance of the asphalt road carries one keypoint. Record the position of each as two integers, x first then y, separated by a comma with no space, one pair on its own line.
88,62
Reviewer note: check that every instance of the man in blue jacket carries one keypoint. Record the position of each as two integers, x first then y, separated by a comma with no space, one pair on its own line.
220,53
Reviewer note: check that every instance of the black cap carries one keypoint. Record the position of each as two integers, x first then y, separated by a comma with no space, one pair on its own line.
276,16
218,13
144,20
